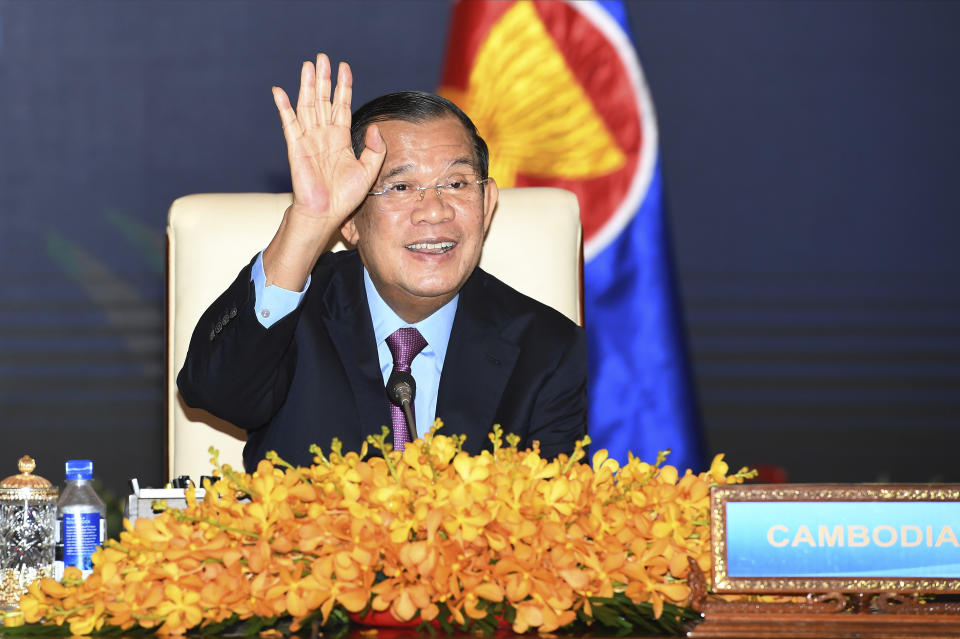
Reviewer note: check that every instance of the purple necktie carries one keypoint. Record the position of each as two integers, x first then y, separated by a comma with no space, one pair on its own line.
404,344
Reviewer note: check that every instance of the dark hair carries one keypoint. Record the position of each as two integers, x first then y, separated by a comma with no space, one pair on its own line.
416,107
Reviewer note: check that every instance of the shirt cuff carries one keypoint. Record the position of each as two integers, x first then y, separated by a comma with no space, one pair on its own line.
272,303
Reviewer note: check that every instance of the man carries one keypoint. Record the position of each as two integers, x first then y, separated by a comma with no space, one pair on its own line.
298,349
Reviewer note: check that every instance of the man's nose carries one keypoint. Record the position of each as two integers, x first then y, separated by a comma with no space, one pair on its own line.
432,207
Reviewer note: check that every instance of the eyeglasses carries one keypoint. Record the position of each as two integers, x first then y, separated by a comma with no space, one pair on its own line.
459,188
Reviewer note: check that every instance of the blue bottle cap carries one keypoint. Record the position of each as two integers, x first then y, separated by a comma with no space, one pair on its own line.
79,469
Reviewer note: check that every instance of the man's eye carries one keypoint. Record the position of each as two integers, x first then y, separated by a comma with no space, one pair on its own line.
456,184
398,187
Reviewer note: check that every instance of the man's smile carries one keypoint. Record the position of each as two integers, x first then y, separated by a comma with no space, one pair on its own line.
431,247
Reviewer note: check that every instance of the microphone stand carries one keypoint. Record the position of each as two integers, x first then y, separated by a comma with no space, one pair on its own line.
408,415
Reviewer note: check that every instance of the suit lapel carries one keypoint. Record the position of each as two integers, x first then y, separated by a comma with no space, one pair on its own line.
348,323
478,363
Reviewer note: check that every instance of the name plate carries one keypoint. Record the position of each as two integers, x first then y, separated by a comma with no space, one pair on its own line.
862,539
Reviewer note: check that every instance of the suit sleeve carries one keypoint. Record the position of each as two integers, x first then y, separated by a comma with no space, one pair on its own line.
559,417
235,368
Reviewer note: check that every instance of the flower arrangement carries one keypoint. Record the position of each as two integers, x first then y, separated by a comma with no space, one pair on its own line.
430,534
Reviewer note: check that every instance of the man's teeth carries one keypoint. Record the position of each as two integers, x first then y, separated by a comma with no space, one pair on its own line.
433,247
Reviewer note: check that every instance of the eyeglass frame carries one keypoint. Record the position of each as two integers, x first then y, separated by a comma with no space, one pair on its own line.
438,188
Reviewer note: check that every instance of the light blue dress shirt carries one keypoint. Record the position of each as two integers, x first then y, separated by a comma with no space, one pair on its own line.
273,303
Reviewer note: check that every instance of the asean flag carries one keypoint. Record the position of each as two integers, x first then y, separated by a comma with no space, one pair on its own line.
557,91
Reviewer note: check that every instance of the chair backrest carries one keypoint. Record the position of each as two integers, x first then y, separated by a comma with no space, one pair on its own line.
534,244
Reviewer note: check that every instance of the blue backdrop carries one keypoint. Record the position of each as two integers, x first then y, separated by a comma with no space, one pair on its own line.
809,153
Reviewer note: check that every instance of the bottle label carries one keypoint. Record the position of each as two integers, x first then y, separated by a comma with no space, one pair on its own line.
82,533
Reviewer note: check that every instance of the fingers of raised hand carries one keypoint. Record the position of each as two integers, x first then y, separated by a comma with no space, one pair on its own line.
374,151
306,99
314,108
292,128
342,96
323,88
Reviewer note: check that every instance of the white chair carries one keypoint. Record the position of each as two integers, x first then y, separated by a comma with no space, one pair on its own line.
534,244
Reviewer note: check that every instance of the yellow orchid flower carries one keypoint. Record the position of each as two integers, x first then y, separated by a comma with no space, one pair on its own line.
434,526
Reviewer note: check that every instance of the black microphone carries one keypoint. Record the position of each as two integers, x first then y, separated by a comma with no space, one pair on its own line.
401,389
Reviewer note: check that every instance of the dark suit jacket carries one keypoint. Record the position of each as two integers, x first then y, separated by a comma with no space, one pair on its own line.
315,375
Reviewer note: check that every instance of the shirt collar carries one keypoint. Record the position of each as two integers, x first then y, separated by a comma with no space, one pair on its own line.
435,328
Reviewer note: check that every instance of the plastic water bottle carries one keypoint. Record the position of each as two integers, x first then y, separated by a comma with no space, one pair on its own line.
81,519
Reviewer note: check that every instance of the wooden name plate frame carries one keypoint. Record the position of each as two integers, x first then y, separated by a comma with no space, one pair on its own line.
863,556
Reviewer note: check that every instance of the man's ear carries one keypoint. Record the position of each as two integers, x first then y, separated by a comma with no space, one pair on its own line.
491,193
349,229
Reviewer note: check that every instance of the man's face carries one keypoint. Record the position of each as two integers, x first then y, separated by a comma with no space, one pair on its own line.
419,252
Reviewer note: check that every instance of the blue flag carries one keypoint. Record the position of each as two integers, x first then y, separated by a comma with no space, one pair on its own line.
557,90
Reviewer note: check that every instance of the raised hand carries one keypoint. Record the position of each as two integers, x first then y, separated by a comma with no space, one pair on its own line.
329,181
327,178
